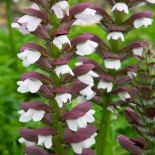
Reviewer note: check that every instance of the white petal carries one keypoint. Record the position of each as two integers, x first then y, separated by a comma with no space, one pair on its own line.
82,123
59,7
63,69
115,36
35,6
142,22
72,124
117,64
33,24
38,115
25,19
87,92
77,147
60,40
121,7
151,1
41,139
48,142
86,48
138,51
34,85
33,56
88,16
24,118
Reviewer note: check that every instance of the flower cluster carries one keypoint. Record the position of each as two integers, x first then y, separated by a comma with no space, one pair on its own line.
58,83
142,111
86,81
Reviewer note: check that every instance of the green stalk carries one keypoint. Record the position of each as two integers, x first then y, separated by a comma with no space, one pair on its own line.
102,142
102,138
10,32
58,140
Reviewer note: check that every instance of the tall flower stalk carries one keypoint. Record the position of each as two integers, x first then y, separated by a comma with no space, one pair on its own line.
141,112
63,130
112,86
61,84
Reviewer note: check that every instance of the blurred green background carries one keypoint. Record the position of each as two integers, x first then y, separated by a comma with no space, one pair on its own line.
11,69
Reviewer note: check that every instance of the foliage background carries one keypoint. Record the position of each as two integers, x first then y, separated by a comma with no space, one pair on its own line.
11,69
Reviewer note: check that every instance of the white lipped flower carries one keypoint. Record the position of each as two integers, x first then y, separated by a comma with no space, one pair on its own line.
121,7
63,98
29,56
63,69
112,63
78,147
27,23
29,85
142,22
26,142
31,114
151,1
88,78
45,140
115,36
82,121
60,40
60,7
124,95
87,93
138,51
105,85
22,28
86,48
88,16
131,74
31,22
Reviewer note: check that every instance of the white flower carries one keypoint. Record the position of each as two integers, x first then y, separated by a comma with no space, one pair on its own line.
112,64
45,140
63,69
29,85
88,16
27,23
31,22
29,57
21,28
59,7
142,22
86,48
31,114
105,85
124,95
115,36
81,122
78,147
131,74
87,92
121,7
151,1
60,40
138,51
88,78
26,142
63,98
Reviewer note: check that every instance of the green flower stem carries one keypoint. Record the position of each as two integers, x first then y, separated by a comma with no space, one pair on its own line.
102,143
58,126
10,32
102,138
